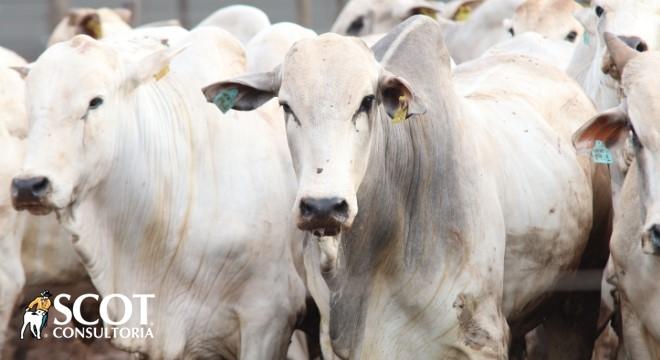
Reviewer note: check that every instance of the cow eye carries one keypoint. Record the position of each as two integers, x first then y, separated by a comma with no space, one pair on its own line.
95,102
366,104
571,36
599,11
512,32
356,26
286,108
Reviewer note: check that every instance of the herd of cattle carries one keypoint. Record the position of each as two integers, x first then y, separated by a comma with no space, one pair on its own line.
475,179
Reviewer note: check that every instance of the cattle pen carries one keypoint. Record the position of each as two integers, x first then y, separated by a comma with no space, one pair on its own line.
329,179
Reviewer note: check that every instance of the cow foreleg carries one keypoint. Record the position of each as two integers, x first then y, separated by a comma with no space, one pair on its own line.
265,337
570,330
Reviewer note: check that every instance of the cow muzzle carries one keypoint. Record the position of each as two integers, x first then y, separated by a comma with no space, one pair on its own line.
636,43
323,216
31,194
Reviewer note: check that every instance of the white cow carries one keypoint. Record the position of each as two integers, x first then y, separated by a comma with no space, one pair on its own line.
366,17
454,224
553,19
466,39
242,21
34,251
635,243
97,23
637,21
267,49
32,321
12,94
165,195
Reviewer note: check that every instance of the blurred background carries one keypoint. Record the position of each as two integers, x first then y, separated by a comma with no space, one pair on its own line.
26,24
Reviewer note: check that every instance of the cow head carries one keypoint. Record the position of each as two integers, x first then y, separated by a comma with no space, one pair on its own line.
95,23
366,17
550,18
635,22
634,125
77,93
331,89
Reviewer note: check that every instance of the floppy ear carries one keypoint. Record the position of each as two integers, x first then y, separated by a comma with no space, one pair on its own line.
398,98
90,25
244,93
609,127
154,66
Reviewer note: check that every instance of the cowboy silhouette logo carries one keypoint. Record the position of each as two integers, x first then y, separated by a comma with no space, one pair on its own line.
36,314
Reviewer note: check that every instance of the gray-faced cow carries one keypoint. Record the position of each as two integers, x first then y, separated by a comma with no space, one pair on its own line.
453,222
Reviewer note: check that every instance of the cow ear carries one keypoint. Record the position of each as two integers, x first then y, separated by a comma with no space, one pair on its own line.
90,25
460,10
398,98
154,66
430,10
244,93
609,127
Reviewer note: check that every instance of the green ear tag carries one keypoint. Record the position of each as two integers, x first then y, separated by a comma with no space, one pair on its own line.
225,99
600,154
585,37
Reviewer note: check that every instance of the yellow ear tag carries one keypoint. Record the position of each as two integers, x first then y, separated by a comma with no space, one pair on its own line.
162,73
428,12
94,27
401,113
463,13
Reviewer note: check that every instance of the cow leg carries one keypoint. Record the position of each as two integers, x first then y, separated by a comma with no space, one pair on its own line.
570,330
265,337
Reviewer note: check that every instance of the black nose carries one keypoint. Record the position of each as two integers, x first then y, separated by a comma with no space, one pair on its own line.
635,43
654,234
324,207
30,191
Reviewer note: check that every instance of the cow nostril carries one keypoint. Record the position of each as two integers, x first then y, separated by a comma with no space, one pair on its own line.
655,235
642,47
341,208
40,186
635,42
306,208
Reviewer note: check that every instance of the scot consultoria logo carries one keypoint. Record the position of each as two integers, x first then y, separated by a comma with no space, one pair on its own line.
35,317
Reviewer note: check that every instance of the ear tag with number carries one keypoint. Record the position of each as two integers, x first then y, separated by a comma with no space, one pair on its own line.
600,154
225,99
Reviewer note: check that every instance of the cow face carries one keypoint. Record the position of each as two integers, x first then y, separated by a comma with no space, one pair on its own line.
551,18
634,125
366,17
77,94
331,106
95,23
636,22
